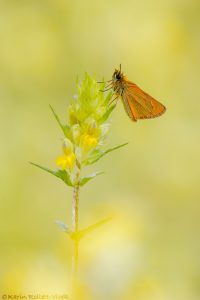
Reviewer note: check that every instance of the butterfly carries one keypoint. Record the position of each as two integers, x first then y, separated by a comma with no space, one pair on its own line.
137,103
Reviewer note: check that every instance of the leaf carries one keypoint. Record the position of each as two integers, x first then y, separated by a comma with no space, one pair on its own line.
62,174
65,128
108,97
107,114
95,157
93,227
44,168
85,179
63,226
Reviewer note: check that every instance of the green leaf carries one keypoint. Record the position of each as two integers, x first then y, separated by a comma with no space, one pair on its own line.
63,226
92,157
62,174
85,179
108,97
92,227
107,114
65,128
95,157
44,168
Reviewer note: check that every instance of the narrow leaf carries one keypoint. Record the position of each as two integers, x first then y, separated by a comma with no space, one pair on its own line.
62,174
85,179
108,98
44,168
64,128
93,227
107,114
93,157
91,160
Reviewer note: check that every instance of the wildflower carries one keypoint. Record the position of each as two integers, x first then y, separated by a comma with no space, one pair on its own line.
85,132
67,160
90,137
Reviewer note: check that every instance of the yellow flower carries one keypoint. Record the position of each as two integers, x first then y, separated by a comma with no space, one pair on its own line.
88,141
68,159
90,137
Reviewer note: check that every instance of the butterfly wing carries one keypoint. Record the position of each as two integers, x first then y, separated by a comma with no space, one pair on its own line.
138,104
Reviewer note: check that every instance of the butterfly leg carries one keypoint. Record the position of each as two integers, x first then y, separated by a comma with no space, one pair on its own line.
112,100
104,81
107,89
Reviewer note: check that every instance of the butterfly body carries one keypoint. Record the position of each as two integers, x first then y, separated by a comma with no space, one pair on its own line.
137,103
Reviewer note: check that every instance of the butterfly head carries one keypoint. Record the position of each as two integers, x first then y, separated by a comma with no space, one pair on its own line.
117,75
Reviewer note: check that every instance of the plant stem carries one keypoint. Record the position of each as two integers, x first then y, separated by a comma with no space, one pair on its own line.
75,210
75,240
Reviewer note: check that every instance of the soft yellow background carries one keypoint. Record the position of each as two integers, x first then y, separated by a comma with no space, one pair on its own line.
150,251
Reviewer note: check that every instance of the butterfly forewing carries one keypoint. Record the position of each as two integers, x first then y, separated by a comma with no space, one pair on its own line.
138,104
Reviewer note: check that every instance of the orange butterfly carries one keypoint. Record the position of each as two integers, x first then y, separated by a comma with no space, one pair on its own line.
137,103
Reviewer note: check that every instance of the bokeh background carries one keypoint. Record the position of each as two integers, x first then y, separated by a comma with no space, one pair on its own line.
150,250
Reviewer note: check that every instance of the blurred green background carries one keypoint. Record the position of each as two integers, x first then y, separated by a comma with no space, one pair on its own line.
151,248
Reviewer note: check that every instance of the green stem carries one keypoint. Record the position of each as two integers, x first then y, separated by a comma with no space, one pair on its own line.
75,241
75,211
